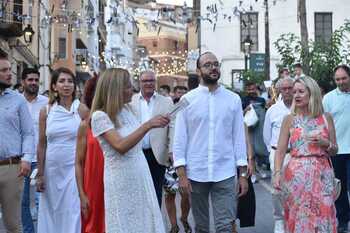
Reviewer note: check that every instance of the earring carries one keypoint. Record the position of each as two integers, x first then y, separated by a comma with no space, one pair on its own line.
55,94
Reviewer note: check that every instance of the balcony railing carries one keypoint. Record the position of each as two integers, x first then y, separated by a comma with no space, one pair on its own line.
10,18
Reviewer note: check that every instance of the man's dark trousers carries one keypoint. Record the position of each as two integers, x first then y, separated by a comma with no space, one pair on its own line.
157,171
341,164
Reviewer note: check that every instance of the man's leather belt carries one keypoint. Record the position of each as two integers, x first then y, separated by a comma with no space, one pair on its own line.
12,160
275,148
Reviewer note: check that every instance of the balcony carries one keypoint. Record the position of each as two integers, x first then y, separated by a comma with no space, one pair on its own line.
10,24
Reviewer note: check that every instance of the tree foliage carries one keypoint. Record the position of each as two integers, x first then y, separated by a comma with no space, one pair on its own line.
323,56
252,76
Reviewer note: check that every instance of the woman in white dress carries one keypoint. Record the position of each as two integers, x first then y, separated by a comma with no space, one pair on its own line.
59,205
130,200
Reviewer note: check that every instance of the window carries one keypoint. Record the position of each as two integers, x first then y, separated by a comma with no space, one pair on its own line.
62,48
249,28
323,27
155,44
176,45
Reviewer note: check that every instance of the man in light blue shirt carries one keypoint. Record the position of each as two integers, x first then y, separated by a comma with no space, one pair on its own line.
16,148
337,103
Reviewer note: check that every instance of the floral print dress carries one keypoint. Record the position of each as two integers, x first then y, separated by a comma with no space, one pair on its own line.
307,184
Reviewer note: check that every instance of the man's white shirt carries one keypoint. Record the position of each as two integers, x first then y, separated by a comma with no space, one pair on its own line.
273,122
34,109
209,135
146,114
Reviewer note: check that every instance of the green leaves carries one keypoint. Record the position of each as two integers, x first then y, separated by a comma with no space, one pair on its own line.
323,57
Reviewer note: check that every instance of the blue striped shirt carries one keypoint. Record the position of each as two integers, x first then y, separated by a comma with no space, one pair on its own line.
16,127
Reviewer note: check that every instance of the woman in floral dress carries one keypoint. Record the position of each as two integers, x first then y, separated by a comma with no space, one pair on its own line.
307,181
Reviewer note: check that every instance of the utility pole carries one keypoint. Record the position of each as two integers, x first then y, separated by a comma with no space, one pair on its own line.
267,41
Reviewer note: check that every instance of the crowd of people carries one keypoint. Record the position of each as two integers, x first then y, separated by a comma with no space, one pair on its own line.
104,162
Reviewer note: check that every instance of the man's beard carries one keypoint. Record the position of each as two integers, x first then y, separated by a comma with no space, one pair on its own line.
209,80
4,85
32,90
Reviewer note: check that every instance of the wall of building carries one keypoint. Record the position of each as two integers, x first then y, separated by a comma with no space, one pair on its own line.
225,40
167,46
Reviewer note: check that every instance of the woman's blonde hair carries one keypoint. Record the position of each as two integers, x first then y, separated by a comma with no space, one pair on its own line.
315,106
109,94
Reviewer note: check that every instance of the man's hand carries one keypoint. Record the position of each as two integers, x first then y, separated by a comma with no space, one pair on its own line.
184,182
242,186
251,167
248,108
185,185
24,169
40,183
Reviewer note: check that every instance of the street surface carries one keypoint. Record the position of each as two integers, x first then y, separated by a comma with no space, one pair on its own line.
263,219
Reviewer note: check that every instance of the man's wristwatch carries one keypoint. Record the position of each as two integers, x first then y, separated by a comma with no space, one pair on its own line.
244,175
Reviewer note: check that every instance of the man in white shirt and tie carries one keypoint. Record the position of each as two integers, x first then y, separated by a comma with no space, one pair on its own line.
157,143
209,144
272,126
30,83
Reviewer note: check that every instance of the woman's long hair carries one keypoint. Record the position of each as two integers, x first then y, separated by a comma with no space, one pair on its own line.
315,106
109,94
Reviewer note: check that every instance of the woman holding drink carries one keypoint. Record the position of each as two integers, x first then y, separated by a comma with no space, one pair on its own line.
307,183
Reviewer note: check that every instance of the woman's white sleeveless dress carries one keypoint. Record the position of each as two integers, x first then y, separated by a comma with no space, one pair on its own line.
59,205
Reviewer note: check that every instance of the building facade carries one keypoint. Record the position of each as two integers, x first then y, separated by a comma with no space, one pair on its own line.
22,52
238,21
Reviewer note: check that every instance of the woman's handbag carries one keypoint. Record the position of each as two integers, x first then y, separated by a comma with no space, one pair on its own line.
336,181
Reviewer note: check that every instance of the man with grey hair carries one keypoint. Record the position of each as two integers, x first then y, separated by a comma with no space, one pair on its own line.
157,143
272,126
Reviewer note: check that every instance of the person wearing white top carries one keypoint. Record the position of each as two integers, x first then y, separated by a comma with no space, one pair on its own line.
272,126
30,83
156,144
209,143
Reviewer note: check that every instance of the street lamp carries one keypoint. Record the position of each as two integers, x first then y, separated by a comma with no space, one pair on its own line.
28,33
247,46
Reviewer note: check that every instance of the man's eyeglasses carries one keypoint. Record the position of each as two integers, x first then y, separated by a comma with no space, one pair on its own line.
210,65
148,81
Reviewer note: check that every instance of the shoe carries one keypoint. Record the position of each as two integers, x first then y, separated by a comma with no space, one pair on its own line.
174,229
279,226
186,226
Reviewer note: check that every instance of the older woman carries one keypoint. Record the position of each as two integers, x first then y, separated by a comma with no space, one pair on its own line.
59,206
307,181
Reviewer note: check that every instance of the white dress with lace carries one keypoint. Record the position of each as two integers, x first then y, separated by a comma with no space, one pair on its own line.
130,200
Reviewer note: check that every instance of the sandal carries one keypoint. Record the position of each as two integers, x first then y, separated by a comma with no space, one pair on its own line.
174,229
186,226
